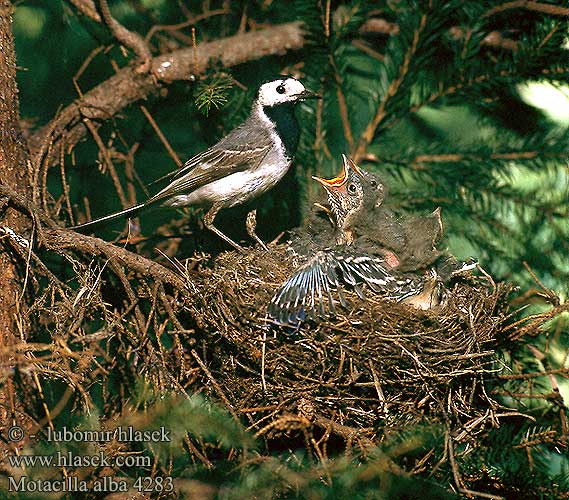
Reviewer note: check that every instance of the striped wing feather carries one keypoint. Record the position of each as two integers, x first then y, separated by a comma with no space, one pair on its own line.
310,291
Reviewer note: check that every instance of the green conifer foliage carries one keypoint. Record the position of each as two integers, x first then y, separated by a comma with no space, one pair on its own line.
425,93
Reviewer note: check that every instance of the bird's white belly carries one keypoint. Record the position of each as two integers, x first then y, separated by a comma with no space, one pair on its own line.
236,188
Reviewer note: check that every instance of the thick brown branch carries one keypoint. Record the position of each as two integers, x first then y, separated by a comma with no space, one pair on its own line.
545,8
14,327
61,239
127,87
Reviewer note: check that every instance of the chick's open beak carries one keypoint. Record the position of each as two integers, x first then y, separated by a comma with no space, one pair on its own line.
348,163
340,180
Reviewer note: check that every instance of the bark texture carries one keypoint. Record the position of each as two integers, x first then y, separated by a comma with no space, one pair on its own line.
13,173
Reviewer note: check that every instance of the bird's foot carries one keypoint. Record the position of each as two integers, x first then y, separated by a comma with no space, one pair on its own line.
251,225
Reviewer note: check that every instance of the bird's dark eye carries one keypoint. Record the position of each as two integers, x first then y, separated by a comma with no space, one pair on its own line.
281,89
351,188
373,183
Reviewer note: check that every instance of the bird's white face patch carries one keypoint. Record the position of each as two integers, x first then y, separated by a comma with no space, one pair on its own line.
280,91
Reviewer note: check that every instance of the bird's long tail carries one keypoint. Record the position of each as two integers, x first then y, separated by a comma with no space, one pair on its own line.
128,212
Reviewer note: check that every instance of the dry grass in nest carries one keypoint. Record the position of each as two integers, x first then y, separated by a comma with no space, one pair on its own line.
377,366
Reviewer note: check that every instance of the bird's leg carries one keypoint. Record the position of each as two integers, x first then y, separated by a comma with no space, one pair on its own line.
251,225
208,222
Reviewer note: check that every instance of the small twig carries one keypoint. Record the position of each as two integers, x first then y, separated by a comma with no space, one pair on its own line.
193,449
129,172
345,431
327,20
87,8
195,51
342,104
548,292
563,372
161,136
243,21
84,65
263,353
285,422
537,319
64,182
364,47
216,386
456,474
107,159
188,22
61,239
371,128
380,395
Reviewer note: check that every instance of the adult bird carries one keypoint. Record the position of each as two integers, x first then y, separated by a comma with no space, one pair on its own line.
247,162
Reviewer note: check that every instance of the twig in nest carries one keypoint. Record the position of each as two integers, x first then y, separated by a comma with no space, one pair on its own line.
345,432
217,387
456,474
286,422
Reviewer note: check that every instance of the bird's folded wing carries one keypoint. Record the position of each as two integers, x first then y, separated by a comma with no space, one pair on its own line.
211,165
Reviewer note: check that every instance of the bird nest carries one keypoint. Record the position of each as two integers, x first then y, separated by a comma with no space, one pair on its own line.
378,365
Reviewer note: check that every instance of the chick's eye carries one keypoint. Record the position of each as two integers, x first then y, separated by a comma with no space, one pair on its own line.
281,89
373,183
351,188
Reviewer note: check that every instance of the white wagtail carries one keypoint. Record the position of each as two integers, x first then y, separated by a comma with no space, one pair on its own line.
247,162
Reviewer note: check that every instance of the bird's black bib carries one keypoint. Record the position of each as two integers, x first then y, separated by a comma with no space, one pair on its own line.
282,115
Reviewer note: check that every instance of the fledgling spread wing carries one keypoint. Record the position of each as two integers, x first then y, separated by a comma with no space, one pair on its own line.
302,295
310,290
241,149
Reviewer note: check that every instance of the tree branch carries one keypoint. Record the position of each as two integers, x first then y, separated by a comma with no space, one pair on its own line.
127,86
61,239
128,38
14,322
371,129
545,8
87,8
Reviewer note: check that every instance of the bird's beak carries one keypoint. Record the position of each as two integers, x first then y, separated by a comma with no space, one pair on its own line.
308,94
338,182
348,163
